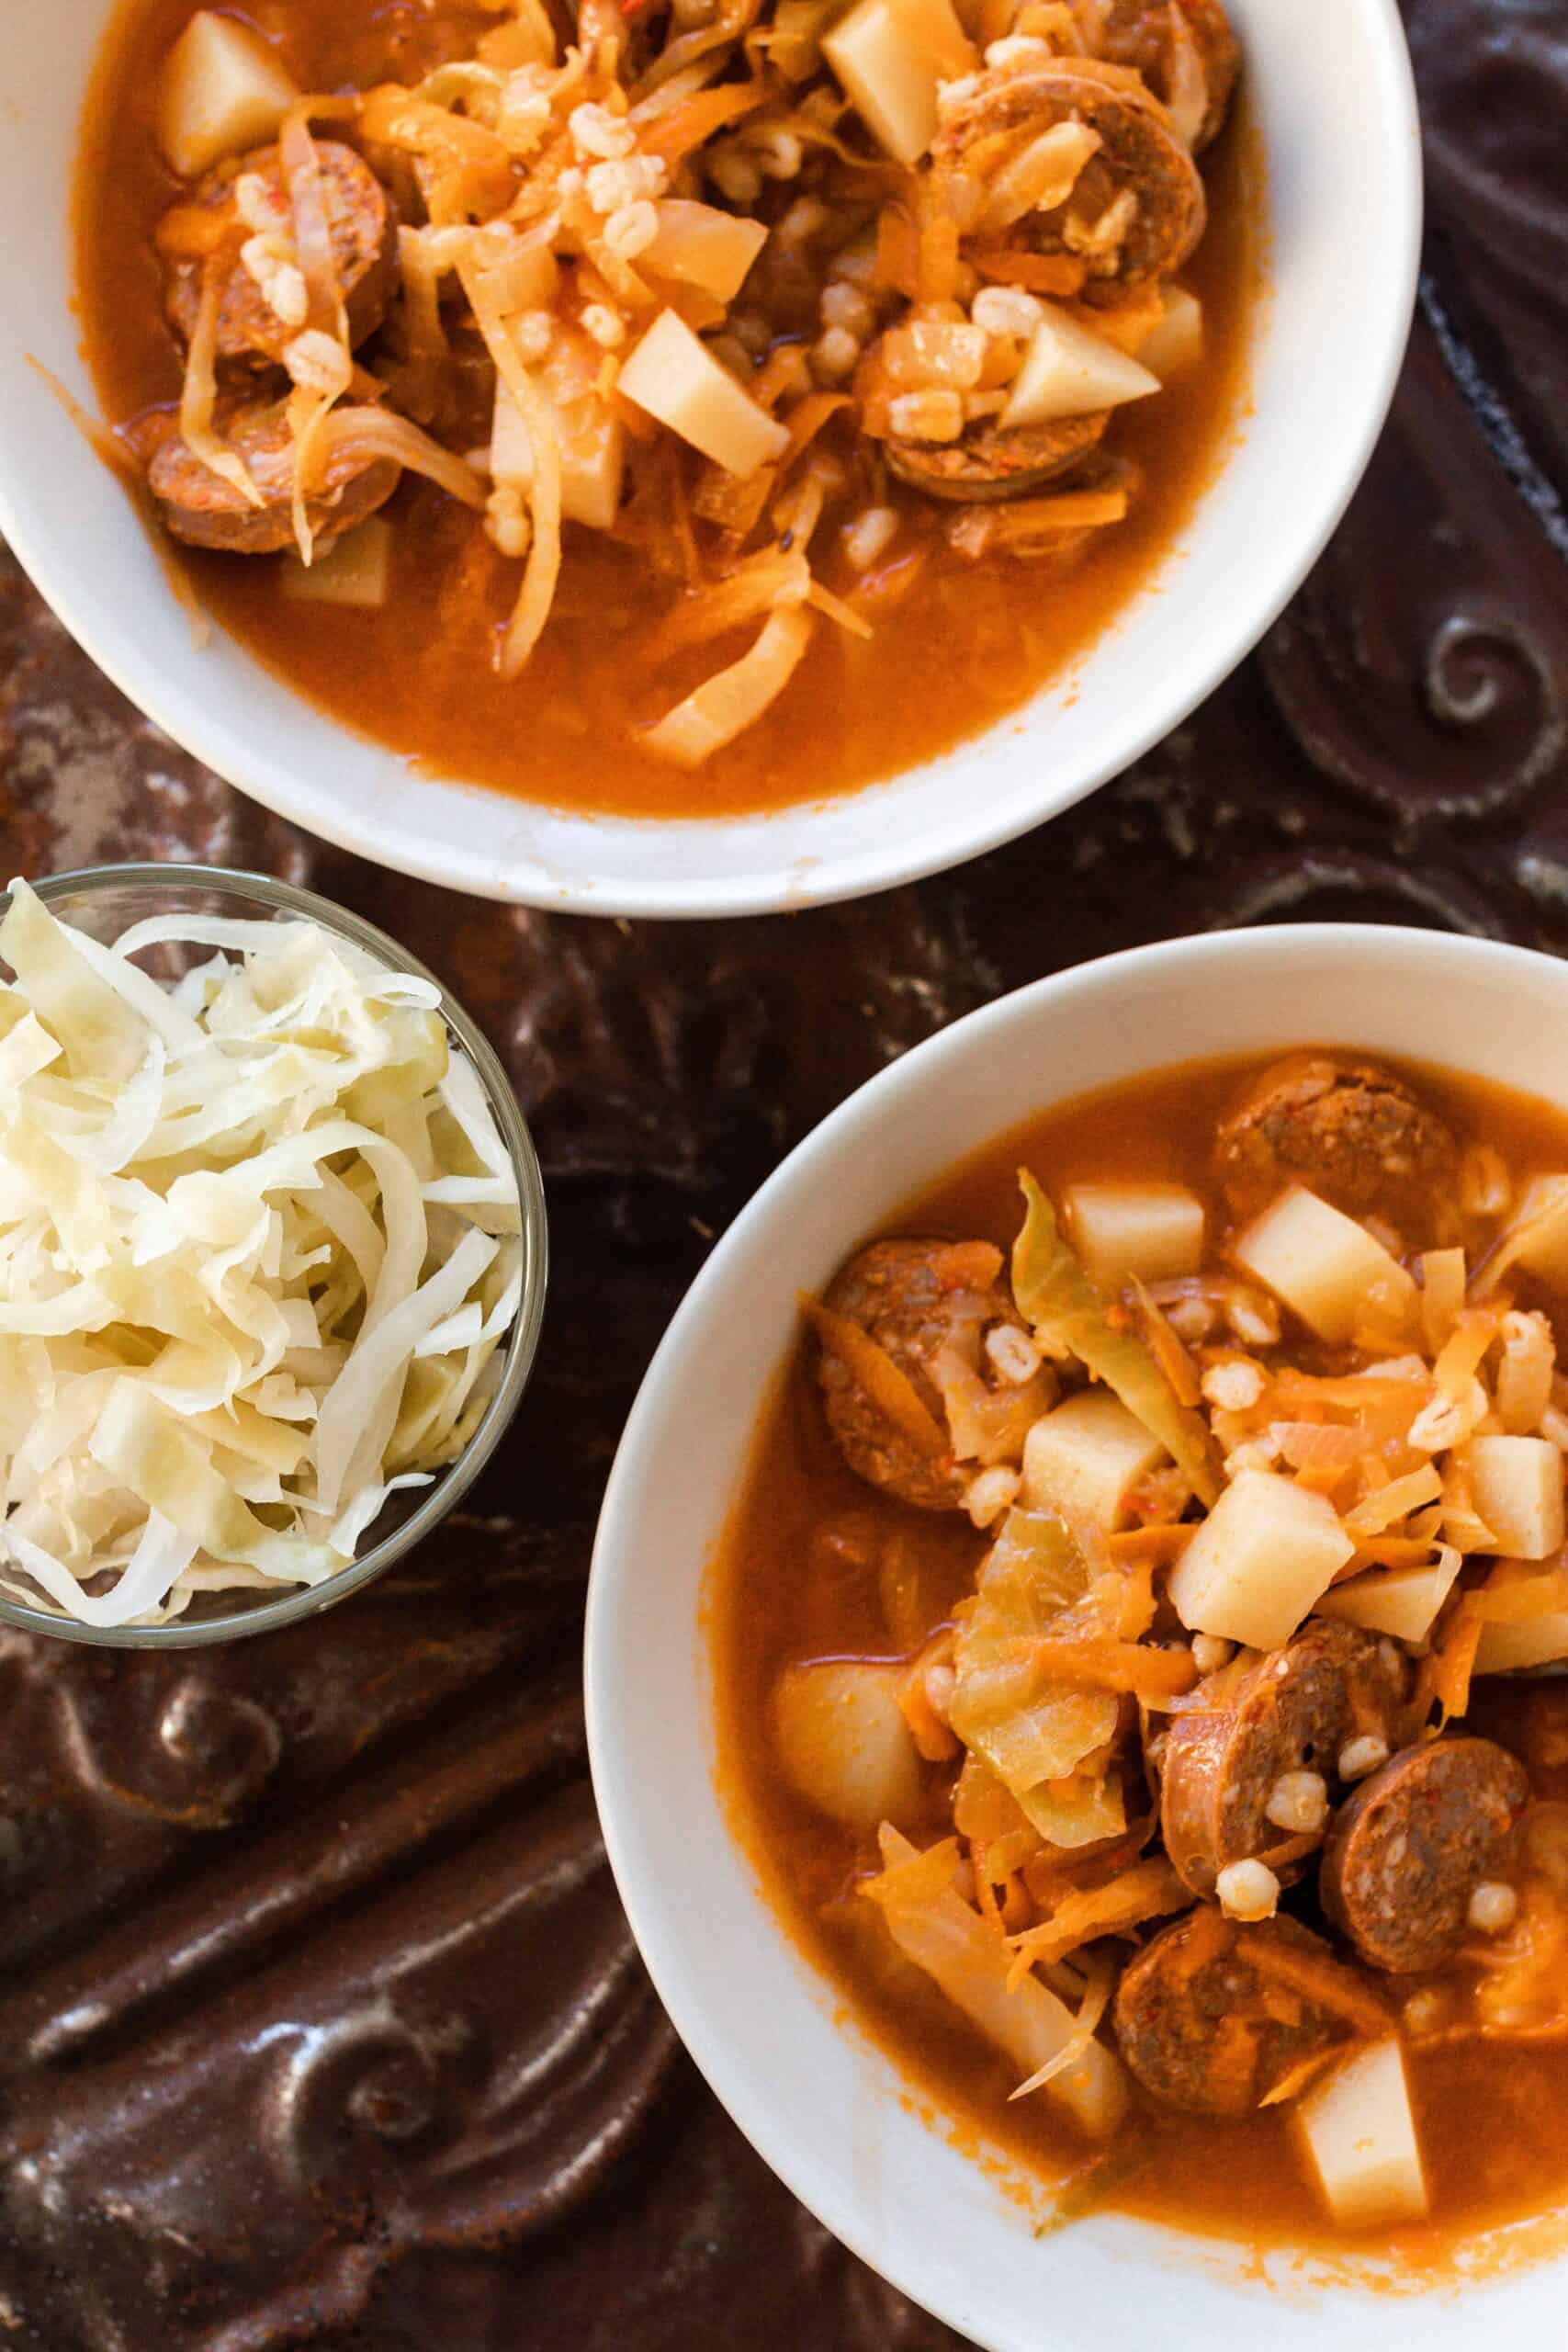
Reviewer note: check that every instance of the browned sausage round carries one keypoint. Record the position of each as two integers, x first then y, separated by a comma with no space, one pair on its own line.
1147,35
1410,1847
916,1299
1213,2015
990,463
365,253
1348,1130
1136,208
204,510
1293,1712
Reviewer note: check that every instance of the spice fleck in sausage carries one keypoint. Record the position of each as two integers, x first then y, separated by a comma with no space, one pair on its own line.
1412,1845
1214,2017
1249,1729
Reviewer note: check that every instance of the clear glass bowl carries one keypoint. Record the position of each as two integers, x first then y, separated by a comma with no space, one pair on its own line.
105,901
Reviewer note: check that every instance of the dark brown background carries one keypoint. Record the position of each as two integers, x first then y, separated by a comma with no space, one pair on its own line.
318,2018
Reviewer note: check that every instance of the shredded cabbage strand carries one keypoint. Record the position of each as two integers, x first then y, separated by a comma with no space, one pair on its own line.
260,1250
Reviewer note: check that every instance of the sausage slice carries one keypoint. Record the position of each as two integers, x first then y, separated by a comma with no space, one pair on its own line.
989,463
204,510
1137,208
1213,2015
1410,1847
365,251
917,1299
1346,1129
1152,35
1293,1712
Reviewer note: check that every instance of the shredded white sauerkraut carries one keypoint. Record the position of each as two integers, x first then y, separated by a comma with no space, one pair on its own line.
260,1250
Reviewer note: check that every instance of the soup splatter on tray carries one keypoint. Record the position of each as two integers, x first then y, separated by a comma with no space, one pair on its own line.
1117,1651
619,408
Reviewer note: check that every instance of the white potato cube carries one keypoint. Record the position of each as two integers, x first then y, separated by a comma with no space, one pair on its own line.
843,1742
1536,1641
890,55
1401,1602
1068,370
591,436
1259,1562
703,246
355,570
1358,2133
1174,344
1547,1256
1516,1483
677,381
1322,1264
1084,1458
1153,1231
222,89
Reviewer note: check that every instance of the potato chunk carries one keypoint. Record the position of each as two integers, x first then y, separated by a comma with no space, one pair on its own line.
222,89
1153,1231
703,246
1516,1483
1325,1267
890,55
1401,1602
1358,2133
1068,370
1536,1641
843,1742
1547,1255
1259,1561
591,436
676,380
1174,345
356,570
1084,1458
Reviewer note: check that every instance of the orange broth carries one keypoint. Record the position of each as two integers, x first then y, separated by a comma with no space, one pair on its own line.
1492,2117
417,674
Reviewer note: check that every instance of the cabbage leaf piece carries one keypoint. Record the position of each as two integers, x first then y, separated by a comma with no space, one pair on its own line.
934,1926
1038,1738
1068,1313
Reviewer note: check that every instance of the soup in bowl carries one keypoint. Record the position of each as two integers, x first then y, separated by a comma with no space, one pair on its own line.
601,413
1110,1777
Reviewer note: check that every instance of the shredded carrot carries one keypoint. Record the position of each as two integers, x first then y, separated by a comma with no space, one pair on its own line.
806,420
191,231
1325,1983
1041,273
1109,1664
898,250
1144,1891
1166,1348
674,136
845,615
1447,1669
1305,2070
1157,1546
1386,1552
1289,1850
786,370
936,255
890,1389
930,1733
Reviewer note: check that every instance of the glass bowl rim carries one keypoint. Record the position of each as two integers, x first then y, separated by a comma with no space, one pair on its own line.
454,1483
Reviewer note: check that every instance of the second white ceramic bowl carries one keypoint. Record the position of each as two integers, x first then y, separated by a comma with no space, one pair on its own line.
1332,94
822,2104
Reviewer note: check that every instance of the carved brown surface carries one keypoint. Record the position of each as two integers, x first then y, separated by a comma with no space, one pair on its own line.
318,2022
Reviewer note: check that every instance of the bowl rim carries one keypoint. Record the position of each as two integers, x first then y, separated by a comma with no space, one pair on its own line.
890,852
620,1793
290,899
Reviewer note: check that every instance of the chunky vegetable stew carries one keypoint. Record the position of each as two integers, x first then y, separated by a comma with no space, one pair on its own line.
1119,1643
617,405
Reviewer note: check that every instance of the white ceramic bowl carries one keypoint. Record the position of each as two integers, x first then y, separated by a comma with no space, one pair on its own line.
818,2100
1333,94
